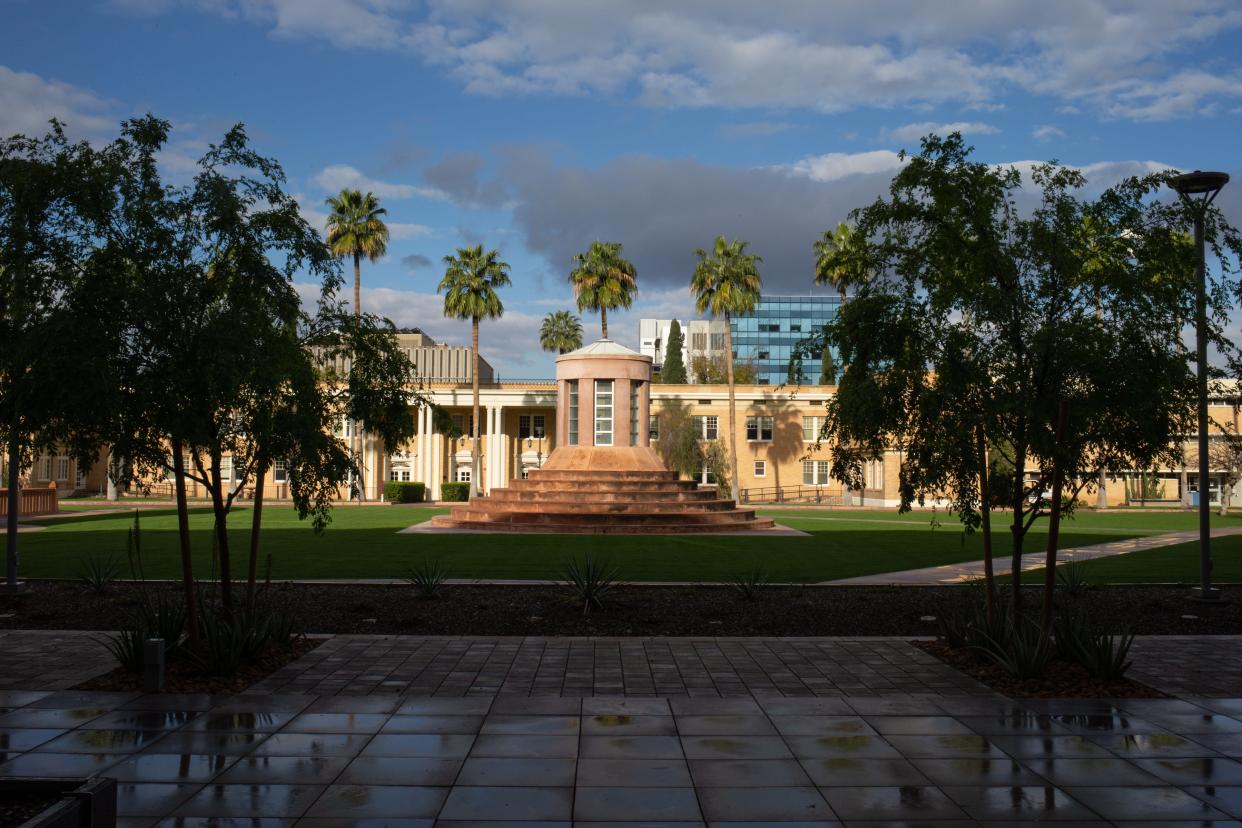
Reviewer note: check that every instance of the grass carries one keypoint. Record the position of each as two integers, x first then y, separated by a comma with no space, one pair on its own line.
1167,565
362,542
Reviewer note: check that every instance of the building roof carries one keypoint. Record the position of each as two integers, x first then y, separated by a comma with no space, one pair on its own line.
603,348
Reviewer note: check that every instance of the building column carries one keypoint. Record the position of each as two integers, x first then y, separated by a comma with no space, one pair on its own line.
621,412
501,454
644,414
434,449
420,446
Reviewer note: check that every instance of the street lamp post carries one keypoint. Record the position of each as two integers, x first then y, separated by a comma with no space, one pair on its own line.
1198,189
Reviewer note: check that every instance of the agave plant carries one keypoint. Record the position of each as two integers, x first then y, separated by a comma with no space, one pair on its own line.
427,578
589,580
751,583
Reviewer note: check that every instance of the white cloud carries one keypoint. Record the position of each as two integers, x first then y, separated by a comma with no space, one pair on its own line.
1119,57
1047,132
337,177
913,132
402,230
28,102
834,165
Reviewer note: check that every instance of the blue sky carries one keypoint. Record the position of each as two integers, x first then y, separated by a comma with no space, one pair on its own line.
535,126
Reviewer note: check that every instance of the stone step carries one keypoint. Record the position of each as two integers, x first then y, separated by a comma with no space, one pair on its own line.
533,485
600,474
604,496
600,507
584,518
757,526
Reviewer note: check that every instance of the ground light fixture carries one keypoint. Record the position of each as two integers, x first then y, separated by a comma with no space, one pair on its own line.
1197,190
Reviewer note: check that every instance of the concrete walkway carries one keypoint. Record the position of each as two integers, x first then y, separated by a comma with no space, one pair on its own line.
957,573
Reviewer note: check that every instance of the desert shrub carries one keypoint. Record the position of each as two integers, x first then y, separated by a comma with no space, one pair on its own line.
98,572
751,583
1103,655
1023,650
589,581
454,492
126,647
404,491
427,577
1072,577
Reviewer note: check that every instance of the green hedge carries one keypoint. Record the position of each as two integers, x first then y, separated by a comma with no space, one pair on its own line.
404,491
454,492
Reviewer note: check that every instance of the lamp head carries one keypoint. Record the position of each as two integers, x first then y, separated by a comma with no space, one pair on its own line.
1206,184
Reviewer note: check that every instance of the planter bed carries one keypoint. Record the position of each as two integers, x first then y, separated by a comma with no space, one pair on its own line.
640,611
57,803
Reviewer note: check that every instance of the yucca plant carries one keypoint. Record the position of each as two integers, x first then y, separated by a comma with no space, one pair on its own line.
99,572
751,583
1107,657
1072,577
1024,652
126,647
427,577
590,581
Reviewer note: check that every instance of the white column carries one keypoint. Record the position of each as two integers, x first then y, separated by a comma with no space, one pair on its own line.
420,447
502,454
434,449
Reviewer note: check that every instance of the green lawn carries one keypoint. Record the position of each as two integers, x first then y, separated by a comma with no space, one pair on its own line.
362,542
1167,565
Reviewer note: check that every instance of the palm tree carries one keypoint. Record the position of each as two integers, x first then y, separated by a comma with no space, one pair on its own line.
603,280
355,228
561,332
470,281
835,260
726,282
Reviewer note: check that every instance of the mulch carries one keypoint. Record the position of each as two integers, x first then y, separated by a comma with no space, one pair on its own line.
17,808
182,677
704,610
1063,679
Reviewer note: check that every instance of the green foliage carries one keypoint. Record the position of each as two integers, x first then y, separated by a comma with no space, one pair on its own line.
454,492
356,226
714,370
1022,649
716,458
98,572
1103,655
673,370
404,491
752,583
828,368
471,280
234,638
726,280
680,443
603,280
1072,577
590,581
840,259
126,647
561,331
427,577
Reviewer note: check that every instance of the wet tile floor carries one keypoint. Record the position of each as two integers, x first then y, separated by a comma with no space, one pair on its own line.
265,761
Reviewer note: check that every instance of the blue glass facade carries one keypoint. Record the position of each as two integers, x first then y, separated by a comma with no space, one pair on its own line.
769,334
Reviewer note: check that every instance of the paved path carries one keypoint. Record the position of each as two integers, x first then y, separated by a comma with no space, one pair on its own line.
50,659
270,760
973,570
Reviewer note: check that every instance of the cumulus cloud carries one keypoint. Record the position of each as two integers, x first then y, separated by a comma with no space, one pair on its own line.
459,176
28,101
913,132
751,129
337,177
1047,132
1119,57
834,165
415,261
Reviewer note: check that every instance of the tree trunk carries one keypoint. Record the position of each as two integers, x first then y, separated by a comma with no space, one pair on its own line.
222,532
183,540
1016,529
256,523
1054,519
357,285
603,320
733,476
15,505
1101,501
985,497
357,435
474,411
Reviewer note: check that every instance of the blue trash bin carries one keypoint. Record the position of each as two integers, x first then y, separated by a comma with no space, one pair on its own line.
1194,500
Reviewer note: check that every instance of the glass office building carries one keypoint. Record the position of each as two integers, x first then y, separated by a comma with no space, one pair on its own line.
769,335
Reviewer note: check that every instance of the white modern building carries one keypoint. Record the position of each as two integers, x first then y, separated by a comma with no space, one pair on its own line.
703,337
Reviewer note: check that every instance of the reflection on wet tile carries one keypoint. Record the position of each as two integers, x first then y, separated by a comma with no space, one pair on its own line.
854,747
724,725
84,698
289,770
266,702
18,741
944,746
763,804
748,773
240,722
991,805
153,799
621,706
919,726
433,724
496,772
636,804
312,744
633,773
536,725
1225,744
289,801
173,701
631,747
1152,745
389,770
708,706
50,718
1227,799
1143,803
977,772
471,706
223,822
846,772
1194,771
552,747
232,744
388,822
536,706
444,745
1022,724
1091,772
101,741
354,704
1190,725
892,803
1047,746
167,767
371,802
1094,724
476,803
783,706
735,747
142,720
624,724
822,726
59,765
336,723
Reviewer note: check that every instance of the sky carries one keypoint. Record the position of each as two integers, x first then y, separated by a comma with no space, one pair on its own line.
536,126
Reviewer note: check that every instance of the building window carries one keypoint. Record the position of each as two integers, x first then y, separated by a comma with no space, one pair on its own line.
815,472
633,413
463,424
705,476
539,428
62,468
523,426
401,475
698,342
226,468
463,474
280,471
718,342
759,428
653,427
603,412
873,474
572,391
344,428
708,427
761,468
810,428
45,467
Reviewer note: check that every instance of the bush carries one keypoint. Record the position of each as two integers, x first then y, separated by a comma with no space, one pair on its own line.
590,581
1023,650
404,491
1102,655
454,492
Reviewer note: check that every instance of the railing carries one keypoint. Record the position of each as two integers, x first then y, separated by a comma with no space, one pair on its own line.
808,494
34,502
